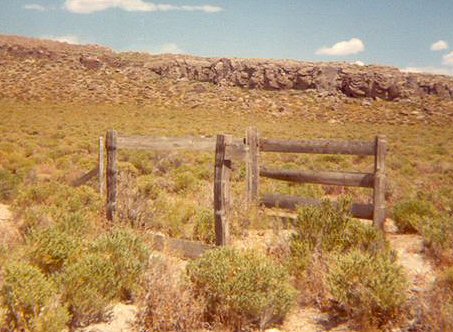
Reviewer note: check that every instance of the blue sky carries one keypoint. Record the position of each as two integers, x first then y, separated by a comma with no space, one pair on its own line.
409,34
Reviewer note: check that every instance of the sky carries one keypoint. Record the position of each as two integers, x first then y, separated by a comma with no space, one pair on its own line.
413,35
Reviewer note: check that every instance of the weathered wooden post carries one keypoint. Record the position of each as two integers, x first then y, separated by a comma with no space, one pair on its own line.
379,183
222,175
112,174
101,174
252,165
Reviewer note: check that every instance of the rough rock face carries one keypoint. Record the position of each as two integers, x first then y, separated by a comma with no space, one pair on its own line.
21,57
351,80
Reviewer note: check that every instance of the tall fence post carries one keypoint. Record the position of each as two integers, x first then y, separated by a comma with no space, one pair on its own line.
379,183
101,174
222,175
252,164
112,173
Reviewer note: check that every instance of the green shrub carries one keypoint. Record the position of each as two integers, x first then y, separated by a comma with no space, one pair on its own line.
184,180
88,286
437,235
50,248
204,226
8,184
30,300
407,214
330,229
371,288
242,288
129,256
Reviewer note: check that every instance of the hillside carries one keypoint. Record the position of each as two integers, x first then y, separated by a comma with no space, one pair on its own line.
42,70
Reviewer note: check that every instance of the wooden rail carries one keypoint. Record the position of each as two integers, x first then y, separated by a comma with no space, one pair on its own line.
362,211
365,180
86,177
319,147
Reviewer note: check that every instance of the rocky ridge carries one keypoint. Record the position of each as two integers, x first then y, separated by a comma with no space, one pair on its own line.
329,78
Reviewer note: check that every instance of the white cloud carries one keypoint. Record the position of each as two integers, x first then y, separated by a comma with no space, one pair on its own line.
429,70
70,39
34,6
171,48
439,45
91,6
352,46
448,59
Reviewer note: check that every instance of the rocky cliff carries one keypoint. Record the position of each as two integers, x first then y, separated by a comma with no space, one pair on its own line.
100,71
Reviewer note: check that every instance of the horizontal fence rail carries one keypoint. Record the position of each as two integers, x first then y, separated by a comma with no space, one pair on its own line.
362,211
319,147
86,177
235,149
352,179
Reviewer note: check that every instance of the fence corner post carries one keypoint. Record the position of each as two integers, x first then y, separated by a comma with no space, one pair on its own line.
222,173
379,210
112,174
252,165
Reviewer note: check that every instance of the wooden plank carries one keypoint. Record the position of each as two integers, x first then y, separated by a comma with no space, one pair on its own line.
85,178
166,143
351,179
222,174
186,248
112,174
236,149
252,164
379,211
320,147
362,211
101,166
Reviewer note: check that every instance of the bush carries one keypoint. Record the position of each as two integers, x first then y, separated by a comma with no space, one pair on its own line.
242,288
129,257
52,247
89,285
371,288
204,226
437,235
30,300
170,303
8,184
407,214
330,229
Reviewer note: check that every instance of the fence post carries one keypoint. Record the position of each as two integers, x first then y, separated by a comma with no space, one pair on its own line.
252,164
112,174
379,183
101,174
222,174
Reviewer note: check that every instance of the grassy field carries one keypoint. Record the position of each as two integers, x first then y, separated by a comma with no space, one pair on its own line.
44,147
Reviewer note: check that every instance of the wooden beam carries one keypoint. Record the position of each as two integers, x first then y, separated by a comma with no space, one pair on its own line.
252,164
319,147
362,211
186,248
112,174
85,178
101,173
331,178
236,149
222,173
379,211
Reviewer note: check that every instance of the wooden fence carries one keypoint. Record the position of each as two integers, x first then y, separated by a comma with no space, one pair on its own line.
228,150
375,180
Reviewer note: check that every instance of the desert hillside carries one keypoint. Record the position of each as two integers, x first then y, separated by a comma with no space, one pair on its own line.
33,64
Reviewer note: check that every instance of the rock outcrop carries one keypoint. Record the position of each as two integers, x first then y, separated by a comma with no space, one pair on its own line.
102,71
351,80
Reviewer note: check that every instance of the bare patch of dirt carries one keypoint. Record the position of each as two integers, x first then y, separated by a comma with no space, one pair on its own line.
122,319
